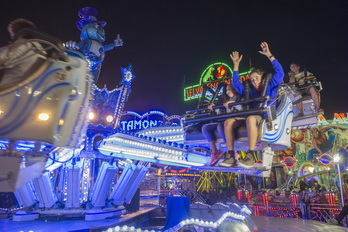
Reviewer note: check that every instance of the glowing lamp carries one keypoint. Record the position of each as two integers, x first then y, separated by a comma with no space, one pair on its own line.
289,162
311,169
91,115
61,122
43,116
325,159
336,158
109,118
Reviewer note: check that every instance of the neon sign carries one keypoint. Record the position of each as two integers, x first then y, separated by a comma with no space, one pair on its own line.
139,124
211,77
339,118
132,121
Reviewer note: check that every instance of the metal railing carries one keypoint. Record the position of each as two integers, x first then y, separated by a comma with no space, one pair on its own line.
319,212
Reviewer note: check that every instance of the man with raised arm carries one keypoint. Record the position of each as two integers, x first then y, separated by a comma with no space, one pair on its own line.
252,121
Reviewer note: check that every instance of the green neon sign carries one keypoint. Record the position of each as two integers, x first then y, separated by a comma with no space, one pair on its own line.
211,77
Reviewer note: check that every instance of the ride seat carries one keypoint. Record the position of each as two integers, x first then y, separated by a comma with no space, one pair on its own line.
52,101
275,132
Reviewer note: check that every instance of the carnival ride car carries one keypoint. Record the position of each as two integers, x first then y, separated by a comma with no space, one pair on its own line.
309,111
274,133
43,114
274,129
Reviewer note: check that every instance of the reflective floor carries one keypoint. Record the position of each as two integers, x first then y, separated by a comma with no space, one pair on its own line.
268,224
265,224
80,225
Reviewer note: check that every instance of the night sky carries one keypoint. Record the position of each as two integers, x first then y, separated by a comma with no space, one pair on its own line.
168,42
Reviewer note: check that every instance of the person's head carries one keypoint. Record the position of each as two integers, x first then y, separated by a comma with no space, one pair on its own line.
315,183
19,24
257,78
230,90
315,132
295,67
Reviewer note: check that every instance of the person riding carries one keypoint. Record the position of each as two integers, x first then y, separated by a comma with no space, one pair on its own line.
17,58
208,129
252,121
297,76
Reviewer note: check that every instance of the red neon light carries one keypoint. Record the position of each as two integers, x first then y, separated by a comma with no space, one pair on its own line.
239,194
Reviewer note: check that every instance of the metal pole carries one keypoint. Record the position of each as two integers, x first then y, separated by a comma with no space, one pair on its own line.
292,179
339,179
264,184
238,180
159,186
328,177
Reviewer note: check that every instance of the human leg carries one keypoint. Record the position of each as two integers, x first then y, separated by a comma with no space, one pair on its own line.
212,144
315,97
229,133
229,127
310,154
208,132
300,107
250,158
251,123
343,214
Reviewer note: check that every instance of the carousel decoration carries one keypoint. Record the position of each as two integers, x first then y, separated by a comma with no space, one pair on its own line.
325,159
92,40
289,162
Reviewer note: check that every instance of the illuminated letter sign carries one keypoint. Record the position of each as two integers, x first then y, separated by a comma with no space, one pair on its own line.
211,77
132,121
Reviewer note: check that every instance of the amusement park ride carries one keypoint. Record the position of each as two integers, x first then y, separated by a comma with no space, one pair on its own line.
57,116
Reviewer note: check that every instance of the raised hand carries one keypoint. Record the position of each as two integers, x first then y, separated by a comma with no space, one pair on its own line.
235,57
265,50
210,106
118,41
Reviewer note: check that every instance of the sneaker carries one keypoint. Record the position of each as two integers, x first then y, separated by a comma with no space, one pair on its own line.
216,157
332,221
248,161
227,163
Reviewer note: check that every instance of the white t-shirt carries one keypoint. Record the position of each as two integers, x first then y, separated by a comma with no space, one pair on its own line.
301,74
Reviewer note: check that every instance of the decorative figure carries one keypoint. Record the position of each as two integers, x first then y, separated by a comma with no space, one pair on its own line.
92,39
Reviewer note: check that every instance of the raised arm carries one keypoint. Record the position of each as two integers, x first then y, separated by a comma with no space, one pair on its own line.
236,60
266,52
279,72
235,78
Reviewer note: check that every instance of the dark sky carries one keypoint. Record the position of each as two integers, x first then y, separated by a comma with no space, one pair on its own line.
166,41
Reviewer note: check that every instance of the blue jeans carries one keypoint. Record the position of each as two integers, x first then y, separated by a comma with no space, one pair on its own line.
313,151
209,128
